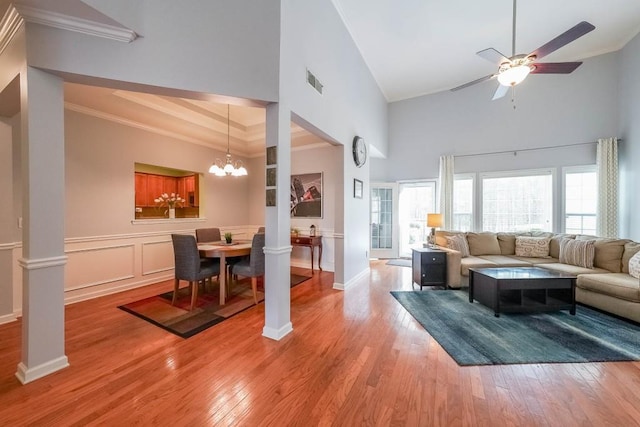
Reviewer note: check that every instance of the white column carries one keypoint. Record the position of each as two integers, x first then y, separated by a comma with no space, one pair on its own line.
277,220
43,258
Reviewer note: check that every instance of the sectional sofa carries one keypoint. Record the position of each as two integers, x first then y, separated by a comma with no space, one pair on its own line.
603,282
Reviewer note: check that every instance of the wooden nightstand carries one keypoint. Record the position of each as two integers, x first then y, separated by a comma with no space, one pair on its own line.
429,267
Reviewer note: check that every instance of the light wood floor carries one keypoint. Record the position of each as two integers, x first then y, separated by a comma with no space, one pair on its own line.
354,358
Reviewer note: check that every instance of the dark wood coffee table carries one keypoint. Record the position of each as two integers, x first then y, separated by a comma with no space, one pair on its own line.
522,289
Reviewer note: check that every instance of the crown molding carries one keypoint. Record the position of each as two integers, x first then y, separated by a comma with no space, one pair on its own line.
73,23
11,22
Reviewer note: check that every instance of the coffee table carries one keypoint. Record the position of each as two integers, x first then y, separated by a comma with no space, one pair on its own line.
522,289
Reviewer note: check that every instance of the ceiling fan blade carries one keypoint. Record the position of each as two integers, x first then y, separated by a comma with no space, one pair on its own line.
563,39
493,56
476,81
555,67
500,92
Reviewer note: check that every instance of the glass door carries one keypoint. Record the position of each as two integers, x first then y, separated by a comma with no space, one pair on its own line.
416,200
383,226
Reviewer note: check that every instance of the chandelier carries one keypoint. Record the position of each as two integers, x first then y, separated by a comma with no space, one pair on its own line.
228,167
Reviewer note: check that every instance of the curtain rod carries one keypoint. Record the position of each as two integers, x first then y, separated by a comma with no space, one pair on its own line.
515,152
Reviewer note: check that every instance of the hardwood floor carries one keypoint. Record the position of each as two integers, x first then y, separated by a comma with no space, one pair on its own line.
354,358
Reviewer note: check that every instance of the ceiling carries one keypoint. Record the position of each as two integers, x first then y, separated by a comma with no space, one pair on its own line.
195,121
418,47
413,47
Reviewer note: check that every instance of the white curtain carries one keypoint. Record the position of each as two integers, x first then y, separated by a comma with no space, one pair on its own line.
446,191
607,164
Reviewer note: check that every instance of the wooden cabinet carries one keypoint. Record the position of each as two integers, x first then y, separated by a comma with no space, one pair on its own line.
155,187
141,189
149,187
429,267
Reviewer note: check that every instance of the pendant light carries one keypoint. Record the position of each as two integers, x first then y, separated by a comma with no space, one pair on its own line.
229,167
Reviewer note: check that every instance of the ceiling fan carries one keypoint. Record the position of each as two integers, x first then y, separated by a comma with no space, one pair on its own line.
515,69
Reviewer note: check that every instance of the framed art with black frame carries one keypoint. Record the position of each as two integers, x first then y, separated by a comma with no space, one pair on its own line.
357,188
306,195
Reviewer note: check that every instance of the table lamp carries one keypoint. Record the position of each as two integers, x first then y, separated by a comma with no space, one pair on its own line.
434,220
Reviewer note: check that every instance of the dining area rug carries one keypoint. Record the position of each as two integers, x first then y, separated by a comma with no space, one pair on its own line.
472,335
185,323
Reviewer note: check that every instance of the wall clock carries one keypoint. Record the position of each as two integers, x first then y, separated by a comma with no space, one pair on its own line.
359,151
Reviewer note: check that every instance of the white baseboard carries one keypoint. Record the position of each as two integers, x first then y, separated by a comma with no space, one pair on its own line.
277,334
353,281
26,375
8,318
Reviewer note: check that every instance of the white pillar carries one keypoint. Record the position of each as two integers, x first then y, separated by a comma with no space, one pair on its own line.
277,220
43,259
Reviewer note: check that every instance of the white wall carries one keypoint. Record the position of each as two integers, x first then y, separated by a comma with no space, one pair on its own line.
227,47
6,222
314,37
550,110
629,152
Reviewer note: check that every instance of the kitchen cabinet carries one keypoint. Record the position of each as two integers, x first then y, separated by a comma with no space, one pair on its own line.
149,187
141,189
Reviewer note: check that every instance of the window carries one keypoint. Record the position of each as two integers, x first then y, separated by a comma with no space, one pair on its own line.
580,199
517,201
463,203
151,182
381,218
417,199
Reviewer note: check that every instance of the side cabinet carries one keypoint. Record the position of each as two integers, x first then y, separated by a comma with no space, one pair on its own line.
429,267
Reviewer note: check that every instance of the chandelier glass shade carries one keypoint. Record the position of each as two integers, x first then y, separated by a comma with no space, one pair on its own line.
228,166
514,75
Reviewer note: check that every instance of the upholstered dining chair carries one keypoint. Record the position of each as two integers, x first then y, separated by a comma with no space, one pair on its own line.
260,229
189,266
253,266
208,235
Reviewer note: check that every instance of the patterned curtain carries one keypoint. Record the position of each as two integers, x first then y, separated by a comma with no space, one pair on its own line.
607,164
446,191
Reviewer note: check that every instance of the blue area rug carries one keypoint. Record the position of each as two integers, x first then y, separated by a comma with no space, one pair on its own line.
473,336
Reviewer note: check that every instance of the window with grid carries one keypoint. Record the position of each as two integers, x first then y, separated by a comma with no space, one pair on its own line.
580,199
463,203
517,201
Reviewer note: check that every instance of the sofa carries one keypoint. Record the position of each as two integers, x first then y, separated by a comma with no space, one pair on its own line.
603,276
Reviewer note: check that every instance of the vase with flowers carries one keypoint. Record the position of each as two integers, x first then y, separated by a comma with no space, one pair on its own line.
171,201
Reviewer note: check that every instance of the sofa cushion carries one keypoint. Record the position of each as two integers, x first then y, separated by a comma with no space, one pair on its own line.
533,247
507,243
577,252
634,265
458,242
554,244
572,269
506,261
536,261
483,244
441,236
608,253
618,285
630,249
474,262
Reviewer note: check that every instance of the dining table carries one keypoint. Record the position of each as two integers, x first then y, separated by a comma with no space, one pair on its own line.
223,250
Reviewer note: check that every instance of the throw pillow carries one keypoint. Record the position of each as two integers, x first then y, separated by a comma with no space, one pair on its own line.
485,243
577,252
458,243
634,265
532,247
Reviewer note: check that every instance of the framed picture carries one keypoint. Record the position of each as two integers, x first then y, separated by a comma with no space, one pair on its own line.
357,188
271,197
272,155
271,177
306,195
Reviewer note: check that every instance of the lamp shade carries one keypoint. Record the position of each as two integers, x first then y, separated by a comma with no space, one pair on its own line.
434,220
514,75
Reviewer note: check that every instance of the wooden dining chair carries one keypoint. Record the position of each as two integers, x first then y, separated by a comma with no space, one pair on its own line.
252,266
189,266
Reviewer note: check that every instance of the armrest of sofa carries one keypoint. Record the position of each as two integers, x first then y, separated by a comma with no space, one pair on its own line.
454,261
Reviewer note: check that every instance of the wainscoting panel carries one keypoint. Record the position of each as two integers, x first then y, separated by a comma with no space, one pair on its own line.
99,265
157,257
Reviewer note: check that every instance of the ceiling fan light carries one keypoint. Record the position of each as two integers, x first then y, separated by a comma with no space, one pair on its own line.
514,75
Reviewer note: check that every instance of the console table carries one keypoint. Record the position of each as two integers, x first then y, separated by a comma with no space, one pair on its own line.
311,242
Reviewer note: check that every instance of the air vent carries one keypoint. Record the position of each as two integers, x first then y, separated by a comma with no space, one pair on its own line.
314,82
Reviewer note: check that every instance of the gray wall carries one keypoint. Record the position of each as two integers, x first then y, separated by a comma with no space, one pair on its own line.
629,153
550,110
